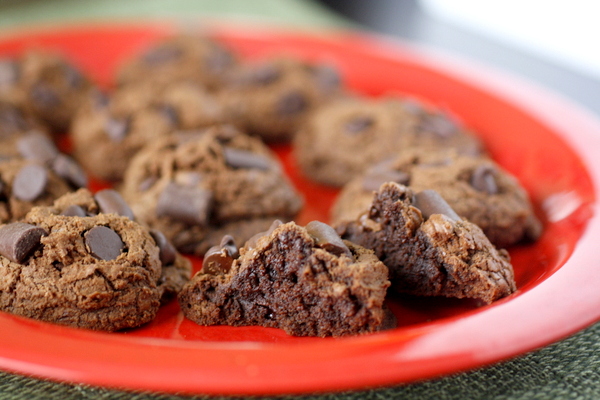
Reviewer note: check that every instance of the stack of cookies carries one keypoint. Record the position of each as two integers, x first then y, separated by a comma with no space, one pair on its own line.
185,142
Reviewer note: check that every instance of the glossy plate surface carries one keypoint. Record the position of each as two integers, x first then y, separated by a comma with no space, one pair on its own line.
551,145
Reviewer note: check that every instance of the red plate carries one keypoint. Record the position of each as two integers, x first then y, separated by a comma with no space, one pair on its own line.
552,146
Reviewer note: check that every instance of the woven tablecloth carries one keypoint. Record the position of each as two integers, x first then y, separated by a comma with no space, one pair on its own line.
569,369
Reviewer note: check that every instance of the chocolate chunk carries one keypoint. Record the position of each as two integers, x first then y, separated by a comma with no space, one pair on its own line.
147,183
167,252
483,179
430,202
162,54
328,78
74,211
291,103
44,96
237,158
439,124
251,243
18,240
116,129
218,259
35,146
375,179
327,238
70,170
103,243
358,124
190,205
30,182
110,201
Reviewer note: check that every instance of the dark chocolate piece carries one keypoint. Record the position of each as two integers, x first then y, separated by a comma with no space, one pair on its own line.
111,201
358,124
483,180
237,158
104,243
116,129
74,211
327,238
251,243
70,170
430,202
167,252
190,205
18,240
147,183
218,259
30,182
291,103
38,147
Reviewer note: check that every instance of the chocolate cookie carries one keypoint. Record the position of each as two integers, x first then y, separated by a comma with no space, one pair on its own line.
188,58
38,176
191,184
474,186
343,138
272,97
50,86
108,132
428,248
304,280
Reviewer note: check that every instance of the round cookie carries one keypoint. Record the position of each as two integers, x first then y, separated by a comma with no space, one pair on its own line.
190,185
474,186
272,97
343,138
108,131
192,58
49,86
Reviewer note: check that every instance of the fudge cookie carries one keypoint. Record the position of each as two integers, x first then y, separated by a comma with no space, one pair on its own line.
304,280
192,184
428,248
107,132
343,138
271,98
50,87
474,186
190,58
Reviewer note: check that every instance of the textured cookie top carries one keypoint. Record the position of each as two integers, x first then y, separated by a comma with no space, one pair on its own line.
428,248
304,280
272,97
196,181
190,58
343,138
476,188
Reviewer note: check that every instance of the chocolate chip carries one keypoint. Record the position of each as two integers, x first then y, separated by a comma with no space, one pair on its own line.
439,125
104,243
483,179
44,96
358,124
328,78
70,170
237,158
327,238
190,205
291,103
110,201
74,211
162,54
9,73
116,129
373,180
18,240
30,182
251,243
35,146
167,252
430,202
147,183
218,259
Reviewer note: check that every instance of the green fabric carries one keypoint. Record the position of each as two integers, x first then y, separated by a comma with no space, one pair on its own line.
569,369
